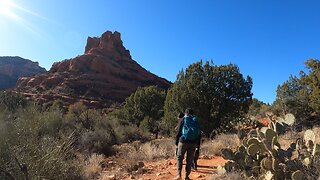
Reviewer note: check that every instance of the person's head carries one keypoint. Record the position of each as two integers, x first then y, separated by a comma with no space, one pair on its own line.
180,115
188,111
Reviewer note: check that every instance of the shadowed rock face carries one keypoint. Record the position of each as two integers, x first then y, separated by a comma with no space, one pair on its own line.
13,67
105,73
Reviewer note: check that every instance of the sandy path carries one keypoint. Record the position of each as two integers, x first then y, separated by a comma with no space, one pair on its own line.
166,169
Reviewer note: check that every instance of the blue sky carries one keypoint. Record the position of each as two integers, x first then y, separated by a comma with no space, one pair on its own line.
268,40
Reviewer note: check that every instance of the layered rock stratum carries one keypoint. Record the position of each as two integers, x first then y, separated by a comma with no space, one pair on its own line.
13,67
104,74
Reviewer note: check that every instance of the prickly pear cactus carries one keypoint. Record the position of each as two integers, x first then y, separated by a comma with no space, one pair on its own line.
260,155
289,119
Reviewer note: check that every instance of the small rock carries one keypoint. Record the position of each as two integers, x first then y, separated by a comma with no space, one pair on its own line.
135,167
142,171
159,174
111,177
140,164
200,176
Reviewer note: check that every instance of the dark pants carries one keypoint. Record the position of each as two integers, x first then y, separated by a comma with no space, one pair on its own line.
196,157
182,149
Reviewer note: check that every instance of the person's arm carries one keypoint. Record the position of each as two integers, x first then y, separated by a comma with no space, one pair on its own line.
179,133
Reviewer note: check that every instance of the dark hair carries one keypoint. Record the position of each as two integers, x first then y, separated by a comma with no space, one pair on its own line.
180,115
189,111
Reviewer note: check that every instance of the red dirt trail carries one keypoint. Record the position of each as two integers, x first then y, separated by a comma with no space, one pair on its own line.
166,169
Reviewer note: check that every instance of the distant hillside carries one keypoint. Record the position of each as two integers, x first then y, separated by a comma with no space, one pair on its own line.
13,67
105,73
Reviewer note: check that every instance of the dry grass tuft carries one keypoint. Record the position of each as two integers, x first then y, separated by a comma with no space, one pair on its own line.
213,147
291,136
92,167
158,149
286,139
229,176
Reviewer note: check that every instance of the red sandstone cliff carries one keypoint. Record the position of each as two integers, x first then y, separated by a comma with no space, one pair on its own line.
105,73
13,67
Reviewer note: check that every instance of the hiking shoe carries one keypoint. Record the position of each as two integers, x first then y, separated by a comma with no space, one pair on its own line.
187,178
178,177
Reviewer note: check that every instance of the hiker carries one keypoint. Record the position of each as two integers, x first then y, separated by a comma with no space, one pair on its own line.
179,117
186,141
197,152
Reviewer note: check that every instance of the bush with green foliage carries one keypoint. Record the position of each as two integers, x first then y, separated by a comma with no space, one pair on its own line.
98,131
218,95
31,146
12,101
41,143
258,108
144,108
301,95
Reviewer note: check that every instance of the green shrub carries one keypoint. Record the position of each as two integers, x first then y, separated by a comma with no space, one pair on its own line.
12,101
26,151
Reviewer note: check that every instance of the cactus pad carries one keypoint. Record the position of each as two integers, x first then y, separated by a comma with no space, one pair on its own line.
309,136
253,149
297,175
289,119
227,154
253,141
270,134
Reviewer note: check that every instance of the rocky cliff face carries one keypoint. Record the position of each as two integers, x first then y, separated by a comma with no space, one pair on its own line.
13,67
105,73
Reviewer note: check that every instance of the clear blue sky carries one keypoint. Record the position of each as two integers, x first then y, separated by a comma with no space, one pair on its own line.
267,39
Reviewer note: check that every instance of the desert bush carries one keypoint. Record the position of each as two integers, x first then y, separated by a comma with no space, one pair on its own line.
214,146
140,152
106,131
79,115
129,133
149,151
25,151
93,166
98,141
157,149
12,101
51,122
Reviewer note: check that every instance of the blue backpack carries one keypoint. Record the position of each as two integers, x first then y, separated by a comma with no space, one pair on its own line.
190,129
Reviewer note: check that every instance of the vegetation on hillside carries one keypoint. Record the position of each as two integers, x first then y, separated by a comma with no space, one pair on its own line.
38,143
301,95
46,141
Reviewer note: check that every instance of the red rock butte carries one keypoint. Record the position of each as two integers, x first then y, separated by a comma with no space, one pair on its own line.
104,74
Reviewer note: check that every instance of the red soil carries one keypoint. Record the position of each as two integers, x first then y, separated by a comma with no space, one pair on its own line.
166,169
